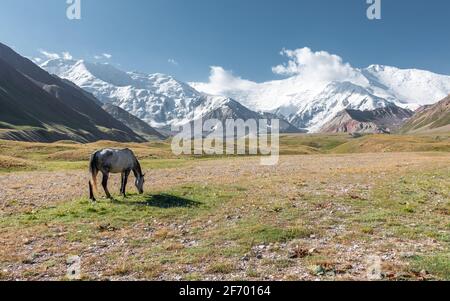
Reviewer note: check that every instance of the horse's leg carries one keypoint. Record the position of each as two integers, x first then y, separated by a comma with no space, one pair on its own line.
125,181
105,185
122,180
91,192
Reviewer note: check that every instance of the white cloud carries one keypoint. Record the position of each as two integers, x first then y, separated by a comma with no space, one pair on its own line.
309,72
173,62
319,66
67,56
49,55
222,81
103,56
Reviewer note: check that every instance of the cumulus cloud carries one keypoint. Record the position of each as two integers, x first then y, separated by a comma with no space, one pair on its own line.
222,81
313,69
319,66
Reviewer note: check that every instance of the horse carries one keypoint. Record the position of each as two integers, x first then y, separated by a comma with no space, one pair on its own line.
114,161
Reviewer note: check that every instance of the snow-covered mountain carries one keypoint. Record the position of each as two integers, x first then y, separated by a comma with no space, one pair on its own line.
309,103
158,99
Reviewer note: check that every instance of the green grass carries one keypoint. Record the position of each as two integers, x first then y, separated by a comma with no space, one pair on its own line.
66,155
179,203
437,265
317,142
394,143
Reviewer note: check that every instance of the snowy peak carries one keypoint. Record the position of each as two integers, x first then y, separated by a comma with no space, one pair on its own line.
313,113
408,87
158,99
82,71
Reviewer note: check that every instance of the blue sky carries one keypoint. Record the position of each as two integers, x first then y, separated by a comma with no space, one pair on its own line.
245,36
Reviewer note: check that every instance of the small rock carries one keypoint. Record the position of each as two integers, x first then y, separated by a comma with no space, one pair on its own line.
298,252
312,251
245,258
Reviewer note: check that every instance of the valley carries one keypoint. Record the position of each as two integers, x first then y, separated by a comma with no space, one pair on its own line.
331,204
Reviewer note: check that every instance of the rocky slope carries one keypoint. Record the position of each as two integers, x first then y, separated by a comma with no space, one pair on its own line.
432,118
138,126
383,120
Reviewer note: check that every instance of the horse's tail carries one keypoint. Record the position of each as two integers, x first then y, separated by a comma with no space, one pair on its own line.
93,170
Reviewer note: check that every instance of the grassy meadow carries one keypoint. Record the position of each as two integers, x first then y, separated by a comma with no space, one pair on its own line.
330,205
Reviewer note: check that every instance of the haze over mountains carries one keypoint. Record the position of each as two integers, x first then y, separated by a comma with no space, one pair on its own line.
307,99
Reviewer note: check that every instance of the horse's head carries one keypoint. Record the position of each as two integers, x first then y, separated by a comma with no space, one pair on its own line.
140,184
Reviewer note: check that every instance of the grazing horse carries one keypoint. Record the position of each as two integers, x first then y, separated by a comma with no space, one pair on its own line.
109,161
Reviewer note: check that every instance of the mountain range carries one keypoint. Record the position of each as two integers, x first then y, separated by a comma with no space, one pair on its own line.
303,104
309,102
158,99
78,100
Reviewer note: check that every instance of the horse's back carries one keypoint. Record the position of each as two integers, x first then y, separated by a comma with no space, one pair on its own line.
117,160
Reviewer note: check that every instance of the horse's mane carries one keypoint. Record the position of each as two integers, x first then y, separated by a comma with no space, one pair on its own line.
137,167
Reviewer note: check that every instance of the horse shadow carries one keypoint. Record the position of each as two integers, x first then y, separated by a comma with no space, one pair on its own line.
164,201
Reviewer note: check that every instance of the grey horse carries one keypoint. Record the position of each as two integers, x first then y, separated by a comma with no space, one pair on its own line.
109,161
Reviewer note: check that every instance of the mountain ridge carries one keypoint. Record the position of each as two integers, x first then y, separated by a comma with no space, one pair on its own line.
431,118
379,121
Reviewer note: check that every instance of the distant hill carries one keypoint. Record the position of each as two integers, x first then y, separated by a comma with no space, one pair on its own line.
433,118
36,106
137,125
379,121
395,143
